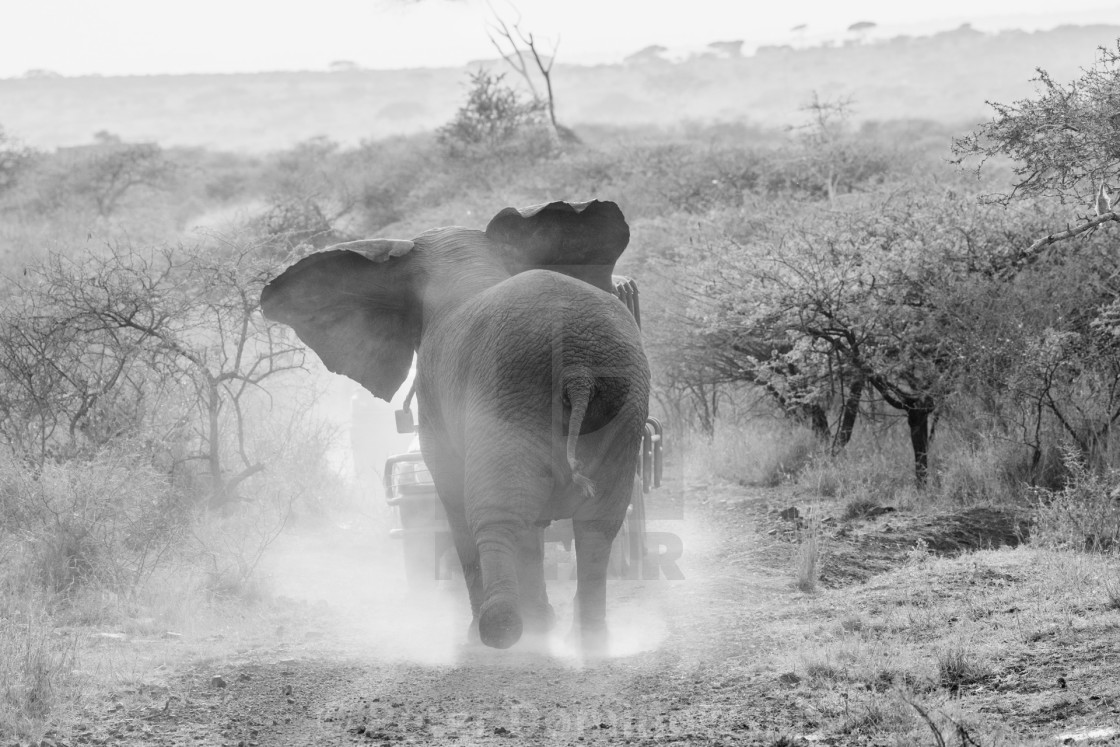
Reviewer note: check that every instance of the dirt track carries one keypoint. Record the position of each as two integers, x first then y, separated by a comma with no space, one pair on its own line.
731,654
354,662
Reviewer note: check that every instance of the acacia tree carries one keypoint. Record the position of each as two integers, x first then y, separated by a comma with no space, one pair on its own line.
828,159
1064,144
100,176
493,115
824,308
14,160
1064,148
166,346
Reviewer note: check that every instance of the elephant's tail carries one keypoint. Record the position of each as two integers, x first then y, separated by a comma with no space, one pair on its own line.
578,391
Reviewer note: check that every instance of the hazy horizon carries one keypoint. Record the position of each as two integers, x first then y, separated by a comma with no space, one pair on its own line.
131,37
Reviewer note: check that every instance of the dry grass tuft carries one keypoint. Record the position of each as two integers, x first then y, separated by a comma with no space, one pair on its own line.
988,472
822,672
1112,592
876,717
858,508
859,475
36,662
809,554
958,668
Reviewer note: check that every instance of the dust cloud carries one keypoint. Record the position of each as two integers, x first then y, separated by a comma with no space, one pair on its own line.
350,573
349,584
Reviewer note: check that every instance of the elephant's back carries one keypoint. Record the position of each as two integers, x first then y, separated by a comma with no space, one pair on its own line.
562,325
509,346
545,292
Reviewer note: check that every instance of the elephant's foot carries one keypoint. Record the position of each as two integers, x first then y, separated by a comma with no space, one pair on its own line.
499,625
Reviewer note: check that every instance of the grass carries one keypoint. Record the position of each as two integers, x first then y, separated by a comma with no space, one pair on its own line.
861,476
809,553
957,667
1112,591
858,508
36,664
982,472
94,556
877,717
760,452
976,642
877,468
1085,514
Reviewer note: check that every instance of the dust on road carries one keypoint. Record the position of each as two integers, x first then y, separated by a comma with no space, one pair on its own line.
912,615
359,659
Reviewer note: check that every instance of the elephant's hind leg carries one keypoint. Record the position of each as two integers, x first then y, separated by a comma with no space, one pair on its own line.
467,550
499,621
593,540
537,613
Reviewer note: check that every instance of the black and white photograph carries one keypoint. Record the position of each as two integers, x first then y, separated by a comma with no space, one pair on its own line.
480,373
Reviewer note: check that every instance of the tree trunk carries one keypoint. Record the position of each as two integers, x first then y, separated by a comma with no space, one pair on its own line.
918,420
703,411
818,421
218,494
848,414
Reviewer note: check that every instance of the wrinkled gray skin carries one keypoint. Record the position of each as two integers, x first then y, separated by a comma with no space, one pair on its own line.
533,383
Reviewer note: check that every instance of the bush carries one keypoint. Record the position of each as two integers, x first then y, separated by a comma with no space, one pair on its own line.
959,667
494,118
760,452
106,522
36,662
858,476
988,472
1085,514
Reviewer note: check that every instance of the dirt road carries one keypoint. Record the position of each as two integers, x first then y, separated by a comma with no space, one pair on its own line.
358,659
731,654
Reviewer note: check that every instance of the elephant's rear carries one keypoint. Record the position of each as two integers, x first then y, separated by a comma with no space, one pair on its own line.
555,393
600,348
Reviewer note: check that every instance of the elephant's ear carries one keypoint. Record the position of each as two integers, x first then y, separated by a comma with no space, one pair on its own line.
581,239
355,306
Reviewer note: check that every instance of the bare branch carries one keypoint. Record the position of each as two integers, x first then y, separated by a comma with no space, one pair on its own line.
515,57
1031,254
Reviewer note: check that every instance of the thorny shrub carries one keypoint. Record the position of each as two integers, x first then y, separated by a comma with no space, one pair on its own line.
494,117
36,662
1085,514
106,522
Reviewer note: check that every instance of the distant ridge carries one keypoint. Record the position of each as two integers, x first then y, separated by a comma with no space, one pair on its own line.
946,77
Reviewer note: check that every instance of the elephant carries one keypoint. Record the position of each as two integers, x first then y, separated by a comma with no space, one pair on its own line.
532,380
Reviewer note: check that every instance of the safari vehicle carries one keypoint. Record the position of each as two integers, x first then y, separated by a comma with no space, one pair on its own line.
421,524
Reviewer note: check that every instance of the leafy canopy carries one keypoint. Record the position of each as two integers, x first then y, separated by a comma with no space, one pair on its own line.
1064,143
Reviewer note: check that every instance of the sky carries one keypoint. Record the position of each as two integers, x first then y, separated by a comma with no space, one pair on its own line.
143,37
